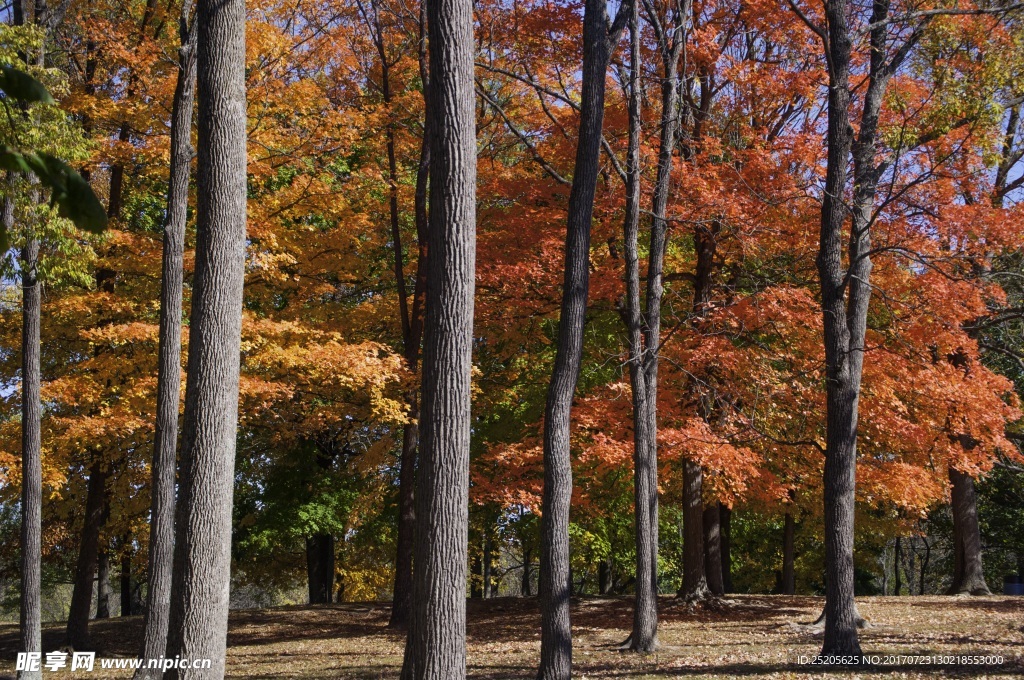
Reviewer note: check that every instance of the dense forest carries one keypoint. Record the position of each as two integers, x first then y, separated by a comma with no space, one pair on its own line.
348,301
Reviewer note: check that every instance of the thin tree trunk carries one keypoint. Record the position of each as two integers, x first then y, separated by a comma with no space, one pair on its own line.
725,529
695,585
476,579
527,584
488,567
969,574
320,568
555,586
924,565
897,552
789,555
127,592
202,551
31,450
645,609
161,527
412,332
713,550
436,646
30,616
77,632
103,590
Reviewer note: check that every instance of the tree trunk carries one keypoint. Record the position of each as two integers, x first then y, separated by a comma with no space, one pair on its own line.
488,566
476,579
842,366
725,530
202,550
436,646
645,475
103,590
320,568
789,555
412,332
713,550
165,443
695,585
555,586
969,575
30,615
127,592
604,576
897,552
77,633
31,451
527,583
924,565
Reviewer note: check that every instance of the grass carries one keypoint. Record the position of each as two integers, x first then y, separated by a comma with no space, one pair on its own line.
750,636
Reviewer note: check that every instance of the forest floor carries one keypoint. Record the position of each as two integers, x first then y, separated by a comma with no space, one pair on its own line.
749,636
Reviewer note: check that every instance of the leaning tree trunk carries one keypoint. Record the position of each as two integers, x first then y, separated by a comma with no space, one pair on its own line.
643,637
789,555
555,580
77,633
168,392
436,645
713,550
969,574
202,551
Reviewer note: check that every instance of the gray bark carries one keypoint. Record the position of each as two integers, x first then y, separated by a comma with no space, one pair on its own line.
77,632
599,38
968,571
436,645
695,584
645,475
202,557
161,527
31,453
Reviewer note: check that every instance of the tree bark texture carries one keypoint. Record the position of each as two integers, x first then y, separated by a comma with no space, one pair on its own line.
165,443
713,550
436,646
103,590
555,585
968,571
695,585
202,557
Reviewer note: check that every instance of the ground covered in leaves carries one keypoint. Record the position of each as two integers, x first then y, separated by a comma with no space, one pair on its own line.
750,636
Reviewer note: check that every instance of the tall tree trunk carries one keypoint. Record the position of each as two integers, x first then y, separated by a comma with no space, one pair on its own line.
127,592
725,529
555,586
202,550
103,590
30,615
713,550
695,584
924,565
476,580
162,513
320,568
969,575
789,555
897,552
643,637
31,450
77,633
436,646
412,332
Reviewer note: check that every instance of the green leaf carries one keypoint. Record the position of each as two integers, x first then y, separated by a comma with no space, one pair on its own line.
21,86
72,195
